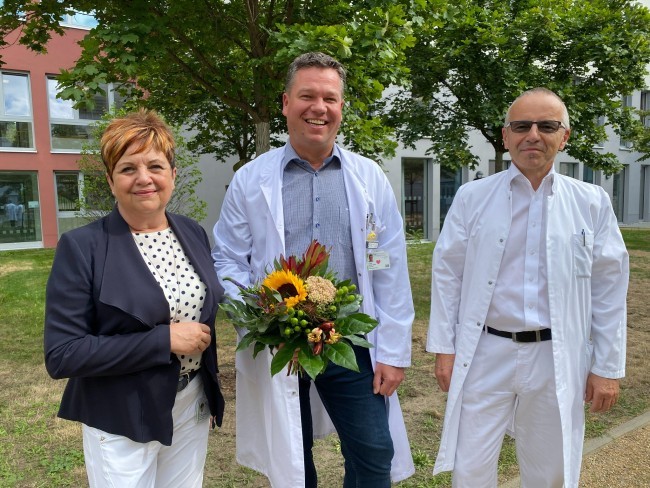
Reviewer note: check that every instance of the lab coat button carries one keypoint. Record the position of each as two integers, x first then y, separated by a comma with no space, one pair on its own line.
465,365
478,324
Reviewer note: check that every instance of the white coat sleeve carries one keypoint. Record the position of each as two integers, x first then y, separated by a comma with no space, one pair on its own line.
233,239
609,282
391,287
447,271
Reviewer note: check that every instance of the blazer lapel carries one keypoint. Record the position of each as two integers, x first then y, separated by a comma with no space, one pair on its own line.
127,283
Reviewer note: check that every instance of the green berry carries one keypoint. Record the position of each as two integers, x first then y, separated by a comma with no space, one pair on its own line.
303,323
287,331
297,328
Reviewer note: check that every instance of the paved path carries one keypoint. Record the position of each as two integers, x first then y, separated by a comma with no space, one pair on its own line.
619,459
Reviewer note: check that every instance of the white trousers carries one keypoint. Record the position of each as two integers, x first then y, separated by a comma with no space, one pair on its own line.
510,386
114,461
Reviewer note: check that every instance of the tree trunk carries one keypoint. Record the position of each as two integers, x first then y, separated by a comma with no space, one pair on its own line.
262,137
498,161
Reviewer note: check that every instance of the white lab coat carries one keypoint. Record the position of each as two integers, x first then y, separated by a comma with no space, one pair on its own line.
249,236
587,282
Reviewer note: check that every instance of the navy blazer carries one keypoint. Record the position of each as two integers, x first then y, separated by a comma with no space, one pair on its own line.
107,329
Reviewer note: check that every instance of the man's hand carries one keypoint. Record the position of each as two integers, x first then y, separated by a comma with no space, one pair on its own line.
444,368
601,392
387,379
189,337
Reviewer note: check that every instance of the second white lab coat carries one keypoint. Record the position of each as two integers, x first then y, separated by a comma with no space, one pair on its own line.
249,236
587,282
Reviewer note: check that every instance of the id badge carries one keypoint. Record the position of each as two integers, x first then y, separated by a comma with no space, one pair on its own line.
376,258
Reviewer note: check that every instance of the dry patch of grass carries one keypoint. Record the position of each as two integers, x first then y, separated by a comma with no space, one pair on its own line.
7,268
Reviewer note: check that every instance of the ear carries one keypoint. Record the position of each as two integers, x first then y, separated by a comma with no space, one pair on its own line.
174,177
565,138
504,136
285,102
110,182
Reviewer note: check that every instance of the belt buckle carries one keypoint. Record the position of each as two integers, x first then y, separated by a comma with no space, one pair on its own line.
538,335
183,381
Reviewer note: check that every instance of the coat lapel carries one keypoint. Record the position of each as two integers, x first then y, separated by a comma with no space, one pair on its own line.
127,283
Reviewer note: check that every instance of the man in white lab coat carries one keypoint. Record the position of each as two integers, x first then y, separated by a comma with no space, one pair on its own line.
314,189
528,310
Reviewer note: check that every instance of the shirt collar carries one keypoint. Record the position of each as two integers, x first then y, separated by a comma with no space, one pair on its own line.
290,154
549,179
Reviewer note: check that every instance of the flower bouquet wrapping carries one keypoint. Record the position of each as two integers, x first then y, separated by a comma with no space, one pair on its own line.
303,314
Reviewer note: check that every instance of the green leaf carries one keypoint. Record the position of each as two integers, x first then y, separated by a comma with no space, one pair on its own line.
342,354
358,323
359,341
259,347
246,341
282,358
312,364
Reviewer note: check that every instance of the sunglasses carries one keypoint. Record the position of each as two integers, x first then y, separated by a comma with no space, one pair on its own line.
545,126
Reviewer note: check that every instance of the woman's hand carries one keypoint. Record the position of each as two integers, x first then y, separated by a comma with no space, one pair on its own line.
189,337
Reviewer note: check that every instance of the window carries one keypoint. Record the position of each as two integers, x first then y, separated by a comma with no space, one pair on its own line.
627,102
569,169
588,174
450,181
415,189
16,124
67,192
645,106
600,122
644,200
20,219
70,127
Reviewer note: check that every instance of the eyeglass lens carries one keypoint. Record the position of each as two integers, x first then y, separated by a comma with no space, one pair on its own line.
545,126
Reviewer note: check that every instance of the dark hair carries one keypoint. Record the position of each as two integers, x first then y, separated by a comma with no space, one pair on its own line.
314,60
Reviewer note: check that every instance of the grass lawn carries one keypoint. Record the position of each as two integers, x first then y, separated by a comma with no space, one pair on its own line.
39,450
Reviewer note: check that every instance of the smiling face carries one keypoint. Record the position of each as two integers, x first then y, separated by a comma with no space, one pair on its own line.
142,184
313,107
534,152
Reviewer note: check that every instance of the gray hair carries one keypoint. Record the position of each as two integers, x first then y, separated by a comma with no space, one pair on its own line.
546,91
314,60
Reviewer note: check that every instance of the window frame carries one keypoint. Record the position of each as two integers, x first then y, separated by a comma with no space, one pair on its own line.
76,120
29,119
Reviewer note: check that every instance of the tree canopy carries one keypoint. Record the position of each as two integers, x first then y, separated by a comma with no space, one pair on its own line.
219,66
473,58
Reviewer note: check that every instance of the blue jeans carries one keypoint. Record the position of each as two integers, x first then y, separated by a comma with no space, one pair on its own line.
361,421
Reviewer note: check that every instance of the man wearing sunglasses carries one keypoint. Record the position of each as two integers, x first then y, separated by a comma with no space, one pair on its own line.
528,308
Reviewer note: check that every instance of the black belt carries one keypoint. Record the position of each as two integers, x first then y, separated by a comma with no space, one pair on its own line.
526,336
184,380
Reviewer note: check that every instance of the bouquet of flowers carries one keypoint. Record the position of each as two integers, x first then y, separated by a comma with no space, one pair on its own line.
303,314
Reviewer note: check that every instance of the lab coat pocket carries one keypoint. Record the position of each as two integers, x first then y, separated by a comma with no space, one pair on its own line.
583,248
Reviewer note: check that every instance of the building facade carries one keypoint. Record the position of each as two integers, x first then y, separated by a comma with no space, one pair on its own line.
41,138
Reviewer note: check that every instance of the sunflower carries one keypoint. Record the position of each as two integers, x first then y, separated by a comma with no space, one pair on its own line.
290,286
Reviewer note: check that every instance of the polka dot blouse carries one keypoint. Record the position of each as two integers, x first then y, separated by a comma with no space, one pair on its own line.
176,276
